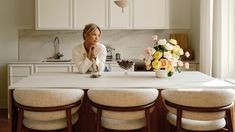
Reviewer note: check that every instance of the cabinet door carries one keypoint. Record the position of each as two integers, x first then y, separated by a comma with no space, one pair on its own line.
53,68
150,14
17,72
119,19
53,14
90,11
20,70
114,67
192,67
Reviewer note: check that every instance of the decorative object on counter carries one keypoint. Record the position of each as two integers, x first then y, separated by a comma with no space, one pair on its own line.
166,56
118,56
126,65
95,72
121,3
161,73
109,56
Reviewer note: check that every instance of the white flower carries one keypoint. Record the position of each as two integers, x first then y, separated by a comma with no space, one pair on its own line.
187,54
186,65
162,41
173,41
168,46
173,63
181,51
167,55
180,63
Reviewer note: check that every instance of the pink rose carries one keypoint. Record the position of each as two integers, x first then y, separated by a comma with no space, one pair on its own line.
154,38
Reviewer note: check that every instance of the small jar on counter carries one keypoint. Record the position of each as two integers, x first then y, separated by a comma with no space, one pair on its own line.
118,56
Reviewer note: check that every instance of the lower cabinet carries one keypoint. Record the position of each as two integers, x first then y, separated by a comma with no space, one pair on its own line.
192,67
17,72
53,68
114,67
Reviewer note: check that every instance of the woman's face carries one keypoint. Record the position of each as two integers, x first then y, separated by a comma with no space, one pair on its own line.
93,37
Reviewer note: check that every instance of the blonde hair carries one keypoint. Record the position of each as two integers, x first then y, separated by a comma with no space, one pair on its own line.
90,28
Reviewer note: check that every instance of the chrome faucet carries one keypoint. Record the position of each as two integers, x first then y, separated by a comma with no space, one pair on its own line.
57,53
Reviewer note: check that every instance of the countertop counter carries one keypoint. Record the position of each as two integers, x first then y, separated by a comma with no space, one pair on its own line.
38,61
187,79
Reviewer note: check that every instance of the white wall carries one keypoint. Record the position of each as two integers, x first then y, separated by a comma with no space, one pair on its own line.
8,44
195,28
180,14
25,14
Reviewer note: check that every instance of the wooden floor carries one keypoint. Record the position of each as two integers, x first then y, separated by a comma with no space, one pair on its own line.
5,127
4,122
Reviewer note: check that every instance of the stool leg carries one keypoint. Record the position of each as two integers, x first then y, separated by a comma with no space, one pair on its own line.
229,120
178,122
147,116
98,122
69,120
20,120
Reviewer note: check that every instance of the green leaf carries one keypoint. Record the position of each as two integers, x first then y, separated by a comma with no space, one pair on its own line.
170,74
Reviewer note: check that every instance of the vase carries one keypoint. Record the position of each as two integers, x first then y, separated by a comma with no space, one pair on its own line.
161,73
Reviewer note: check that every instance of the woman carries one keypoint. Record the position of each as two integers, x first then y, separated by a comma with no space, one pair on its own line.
90,56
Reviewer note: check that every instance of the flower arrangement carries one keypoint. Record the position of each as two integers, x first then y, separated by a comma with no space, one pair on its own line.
165,55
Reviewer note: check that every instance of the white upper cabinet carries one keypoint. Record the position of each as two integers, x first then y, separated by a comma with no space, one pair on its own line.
119,19
90,11
53,14
75,14
150,14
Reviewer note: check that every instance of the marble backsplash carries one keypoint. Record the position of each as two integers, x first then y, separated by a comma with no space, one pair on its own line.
35,44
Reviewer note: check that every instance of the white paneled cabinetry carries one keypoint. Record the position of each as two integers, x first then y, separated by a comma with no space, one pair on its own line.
119,19
150,14
53,14
90,11
53,68
114,67
74,14
17,72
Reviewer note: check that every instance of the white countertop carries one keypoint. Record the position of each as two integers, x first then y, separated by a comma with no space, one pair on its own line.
38,61
186,79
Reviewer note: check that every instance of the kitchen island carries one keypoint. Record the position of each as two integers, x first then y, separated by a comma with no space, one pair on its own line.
115,79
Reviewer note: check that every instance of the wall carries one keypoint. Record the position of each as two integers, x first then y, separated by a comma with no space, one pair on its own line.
129,43
195,28
8,44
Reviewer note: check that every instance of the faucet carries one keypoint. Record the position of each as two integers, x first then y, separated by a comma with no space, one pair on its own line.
57,53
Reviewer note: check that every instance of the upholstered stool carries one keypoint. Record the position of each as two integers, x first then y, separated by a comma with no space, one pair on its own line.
123,108
47,109
199,109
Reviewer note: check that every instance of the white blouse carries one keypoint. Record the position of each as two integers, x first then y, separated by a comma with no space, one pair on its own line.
84,64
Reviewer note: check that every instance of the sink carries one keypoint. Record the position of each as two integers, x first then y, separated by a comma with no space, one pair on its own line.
57,60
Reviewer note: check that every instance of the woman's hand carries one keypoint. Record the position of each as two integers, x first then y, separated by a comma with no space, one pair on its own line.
92,52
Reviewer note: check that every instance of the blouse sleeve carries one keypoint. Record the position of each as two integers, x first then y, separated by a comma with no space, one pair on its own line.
101,58
82,62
